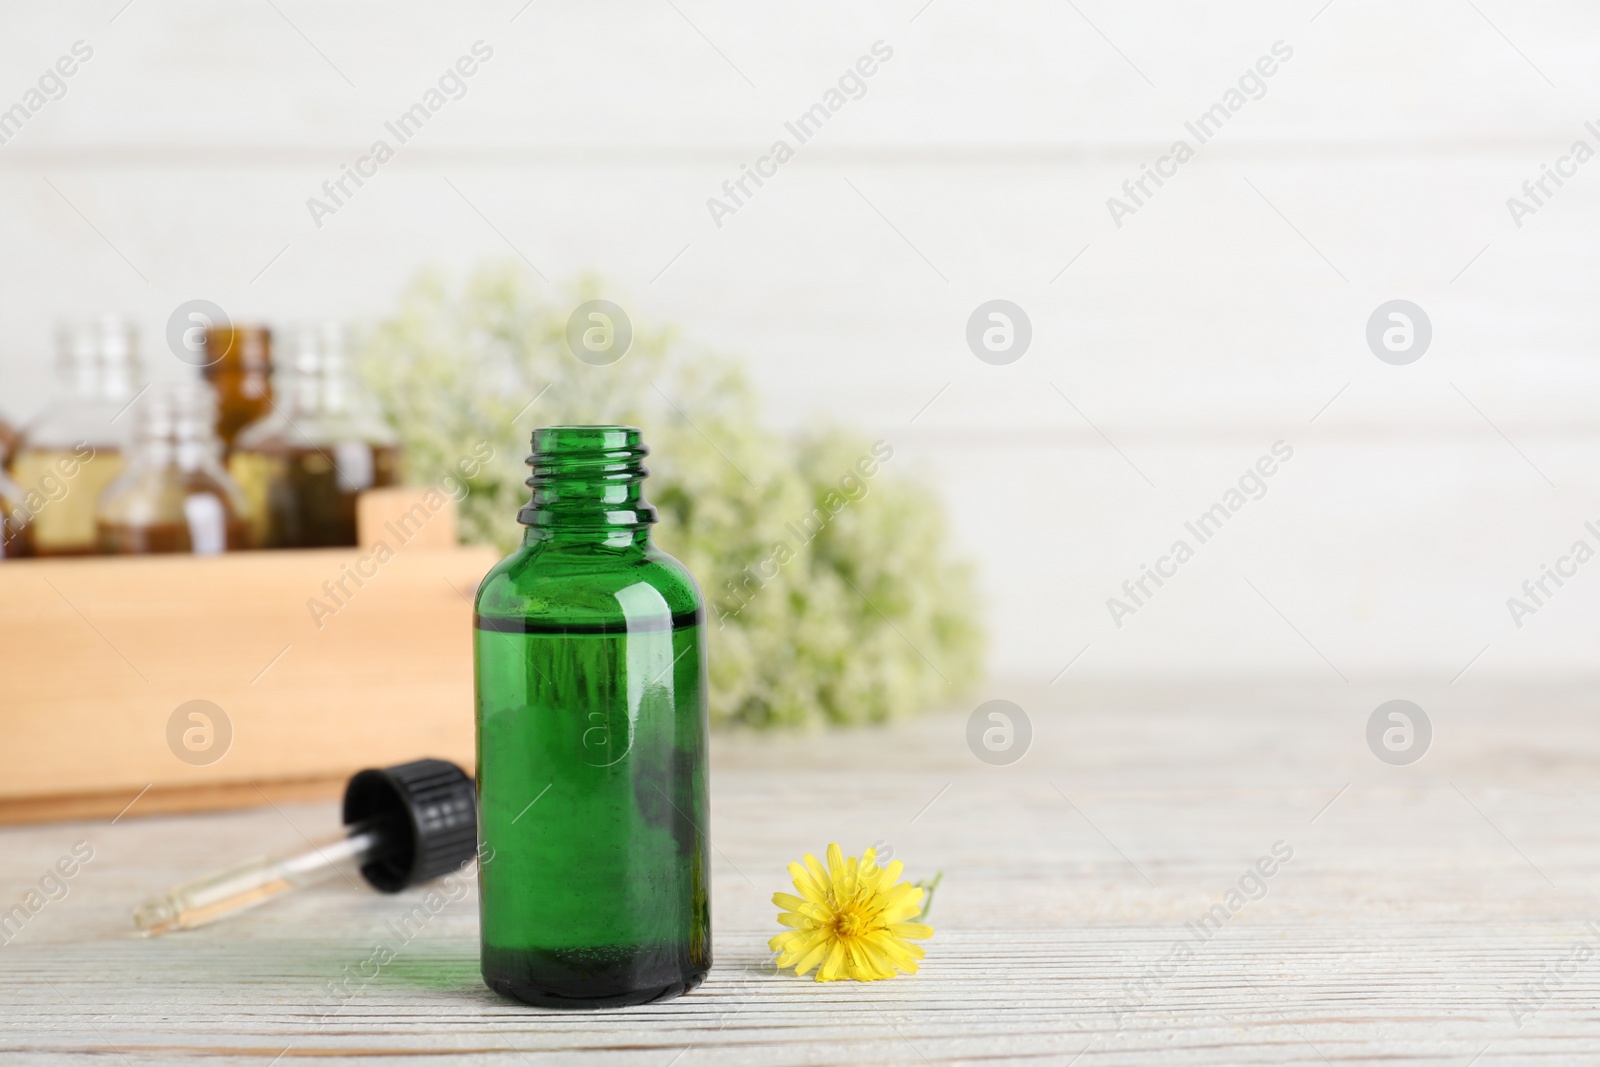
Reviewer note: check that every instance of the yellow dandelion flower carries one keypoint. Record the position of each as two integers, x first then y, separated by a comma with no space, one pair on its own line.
850,921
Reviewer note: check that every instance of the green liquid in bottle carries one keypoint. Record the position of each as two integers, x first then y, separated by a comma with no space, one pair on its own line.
590,652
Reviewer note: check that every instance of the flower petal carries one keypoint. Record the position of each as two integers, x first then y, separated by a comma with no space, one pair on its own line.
782,942
808,953
836,867
917,930
788,901
878,962
805,879
833,968
820,877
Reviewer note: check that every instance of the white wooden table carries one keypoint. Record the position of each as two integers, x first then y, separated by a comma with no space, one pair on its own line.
1413,923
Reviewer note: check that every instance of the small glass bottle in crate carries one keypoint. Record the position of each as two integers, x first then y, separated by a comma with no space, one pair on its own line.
173,494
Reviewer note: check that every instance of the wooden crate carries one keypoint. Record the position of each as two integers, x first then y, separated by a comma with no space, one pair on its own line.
96,656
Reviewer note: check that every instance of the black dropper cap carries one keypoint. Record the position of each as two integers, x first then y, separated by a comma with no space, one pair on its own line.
427,819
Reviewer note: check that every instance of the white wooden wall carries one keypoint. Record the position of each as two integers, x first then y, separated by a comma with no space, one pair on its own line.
1222,317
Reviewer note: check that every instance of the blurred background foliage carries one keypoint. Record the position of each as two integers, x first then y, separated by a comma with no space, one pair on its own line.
871,619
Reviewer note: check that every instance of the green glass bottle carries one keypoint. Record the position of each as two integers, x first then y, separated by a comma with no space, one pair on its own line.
594,887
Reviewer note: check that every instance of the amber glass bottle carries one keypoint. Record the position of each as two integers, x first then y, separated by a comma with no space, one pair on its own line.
594,886
10,438
73,449
302,465
173,495
16,520
239,368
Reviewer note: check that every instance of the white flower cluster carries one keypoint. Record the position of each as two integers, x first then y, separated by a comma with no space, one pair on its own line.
870,620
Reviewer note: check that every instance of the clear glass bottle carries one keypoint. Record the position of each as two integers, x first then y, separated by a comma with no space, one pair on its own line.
302,465
239,368
74,448
594,879
173,495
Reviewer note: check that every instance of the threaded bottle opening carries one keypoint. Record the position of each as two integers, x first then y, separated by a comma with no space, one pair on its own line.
176,423
587,477
313,373
235,349
99,359
178,412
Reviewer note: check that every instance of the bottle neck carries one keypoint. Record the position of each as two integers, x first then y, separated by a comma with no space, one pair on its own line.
316,394
611,538
98,361
175,429
315,377
245,351
588,489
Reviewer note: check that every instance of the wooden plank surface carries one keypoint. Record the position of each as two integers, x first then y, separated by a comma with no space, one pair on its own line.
1419,909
